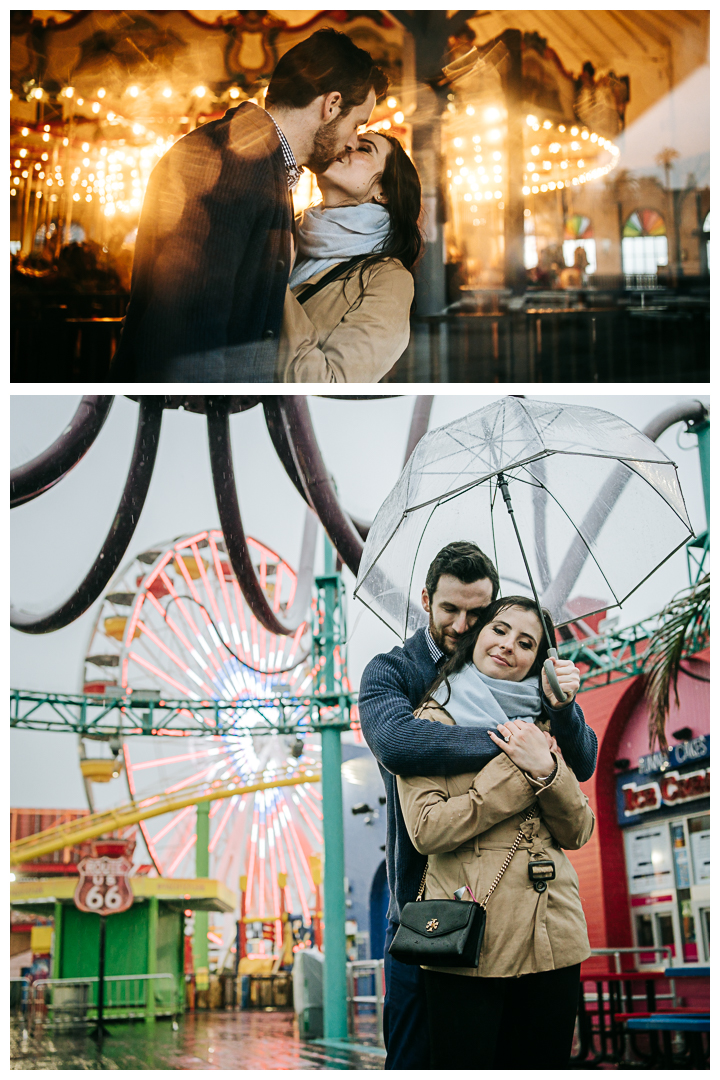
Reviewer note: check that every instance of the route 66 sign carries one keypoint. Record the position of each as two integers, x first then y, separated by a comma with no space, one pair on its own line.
104,887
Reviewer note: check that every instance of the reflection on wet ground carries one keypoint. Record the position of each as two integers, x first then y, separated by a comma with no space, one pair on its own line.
216,1040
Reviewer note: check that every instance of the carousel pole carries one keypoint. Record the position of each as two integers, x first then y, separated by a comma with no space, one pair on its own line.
513,220
25,247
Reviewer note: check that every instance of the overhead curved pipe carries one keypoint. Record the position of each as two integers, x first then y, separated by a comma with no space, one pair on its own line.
48,468
316,479
119,536
223,474
559,590
419,423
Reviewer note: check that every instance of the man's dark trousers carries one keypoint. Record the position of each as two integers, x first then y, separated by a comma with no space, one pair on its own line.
405,1024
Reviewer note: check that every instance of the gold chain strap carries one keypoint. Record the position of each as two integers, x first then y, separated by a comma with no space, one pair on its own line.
421,890
501,871
508,857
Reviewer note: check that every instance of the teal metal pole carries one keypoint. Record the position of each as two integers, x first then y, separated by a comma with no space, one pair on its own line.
334,981
202,870
152,958
702,430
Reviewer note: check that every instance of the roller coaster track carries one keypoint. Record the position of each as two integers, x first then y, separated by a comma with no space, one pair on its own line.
86,828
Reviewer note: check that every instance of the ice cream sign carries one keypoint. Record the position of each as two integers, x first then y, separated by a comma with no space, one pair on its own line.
670,789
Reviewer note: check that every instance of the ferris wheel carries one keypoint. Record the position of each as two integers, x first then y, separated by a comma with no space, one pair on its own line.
175,622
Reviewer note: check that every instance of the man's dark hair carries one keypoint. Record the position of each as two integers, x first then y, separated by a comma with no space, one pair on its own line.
465,561
325,62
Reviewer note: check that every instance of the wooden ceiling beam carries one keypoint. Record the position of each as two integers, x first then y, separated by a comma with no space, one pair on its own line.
613,41
627,30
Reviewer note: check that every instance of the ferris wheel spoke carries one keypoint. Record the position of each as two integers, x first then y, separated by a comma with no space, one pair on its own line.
155,763
166,829
185,690
182,565
186,615
223,822
185,668
303,794
220,574
186,847
306,818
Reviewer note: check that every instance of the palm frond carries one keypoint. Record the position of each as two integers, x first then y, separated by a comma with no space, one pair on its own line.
682,631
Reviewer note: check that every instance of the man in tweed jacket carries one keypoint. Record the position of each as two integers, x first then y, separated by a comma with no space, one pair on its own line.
461,581
214,245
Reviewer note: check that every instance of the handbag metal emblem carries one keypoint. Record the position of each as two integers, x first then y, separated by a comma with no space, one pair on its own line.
431,924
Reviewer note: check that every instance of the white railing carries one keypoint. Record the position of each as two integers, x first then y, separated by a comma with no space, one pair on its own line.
357,969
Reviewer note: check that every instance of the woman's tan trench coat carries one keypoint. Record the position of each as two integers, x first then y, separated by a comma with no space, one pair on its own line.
466,825
333,338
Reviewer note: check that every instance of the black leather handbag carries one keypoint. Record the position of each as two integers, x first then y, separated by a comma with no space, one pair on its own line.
446,933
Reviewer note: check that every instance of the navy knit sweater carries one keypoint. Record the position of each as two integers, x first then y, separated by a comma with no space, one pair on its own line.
393,684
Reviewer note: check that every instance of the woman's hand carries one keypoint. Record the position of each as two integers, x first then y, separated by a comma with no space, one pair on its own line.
526,746
569,678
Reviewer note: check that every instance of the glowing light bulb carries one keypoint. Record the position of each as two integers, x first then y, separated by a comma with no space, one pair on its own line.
561,127
585,135
96,106
85,147
574,130
392,103
457,142
494,135
234,92
101,92
470,111
81,101
531,120
491,115
199,91
399,117
133,91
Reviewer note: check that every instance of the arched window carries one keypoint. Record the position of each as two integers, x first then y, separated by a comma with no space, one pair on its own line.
579,234
644,243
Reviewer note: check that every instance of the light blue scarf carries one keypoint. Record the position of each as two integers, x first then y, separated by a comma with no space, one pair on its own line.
327,237
479,701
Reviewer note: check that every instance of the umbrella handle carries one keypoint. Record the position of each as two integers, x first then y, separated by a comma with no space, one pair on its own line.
552,678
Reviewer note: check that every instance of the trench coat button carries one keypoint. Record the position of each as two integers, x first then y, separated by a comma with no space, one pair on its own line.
280,264
269,334
540,886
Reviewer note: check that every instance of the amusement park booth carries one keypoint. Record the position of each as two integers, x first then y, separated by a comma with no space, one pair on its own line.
147,939
645,874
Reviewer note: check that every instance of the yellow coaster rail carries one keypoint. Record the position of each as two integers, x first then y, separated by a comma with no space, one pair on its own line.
87,828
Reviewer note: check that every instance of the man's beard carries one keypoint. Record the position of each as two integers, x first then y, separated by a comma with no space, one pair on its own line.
325,147
448,645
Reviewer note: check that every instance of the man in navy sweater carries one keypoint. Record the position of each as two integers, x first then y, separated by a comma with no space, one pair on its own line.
461,581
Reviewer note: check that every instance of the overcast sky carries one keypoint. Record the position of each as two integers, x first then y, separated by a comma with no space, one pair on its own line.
55,538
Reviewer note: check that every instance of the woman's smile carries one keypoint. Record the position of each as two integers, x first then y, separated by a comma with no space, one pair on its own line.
507,646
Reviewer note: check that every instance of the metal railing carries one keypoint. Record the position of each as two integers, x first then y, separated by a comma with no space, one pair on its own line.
358,969
19,989
73,1002
662,950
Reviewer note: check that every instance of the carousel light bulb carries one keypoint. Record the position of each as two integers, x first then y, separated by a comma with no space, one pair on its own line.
574,130
543,187
81,101
96,106
478,159
581,163
133,91
585,135
498,194
534,150
88,198
386,125
24,132
491,115
488,194
560,185
561,127
459,161
464,171
102,92
601,141
467,196
86,162
535,176
470,111
554,148
449,173
46,137
24,174
531,120
496,155
167,92
457,142
41,175
138,129
199,91
476,139
16,179
547,166
399,117
37,93
574,145
44,157
17,164
526,191
494,135
551,185
66,142
457,179
85,147
593,137
391,102
37,166
564,164
547,124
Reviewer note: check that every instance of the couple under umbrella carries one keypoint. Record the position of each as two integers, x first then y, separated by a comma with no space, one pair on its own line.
474,722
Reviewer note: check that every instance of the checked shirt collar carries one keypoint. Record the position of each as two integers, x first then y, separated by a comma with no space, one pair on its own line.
436,654
291,166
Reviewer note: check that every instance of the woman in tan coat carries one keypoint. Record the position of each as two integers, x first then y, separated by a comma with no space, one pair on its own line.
365,236
517,1009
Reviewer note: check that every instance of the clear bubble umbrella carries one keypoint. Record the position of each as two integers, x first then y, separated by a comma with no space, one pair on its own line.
573,505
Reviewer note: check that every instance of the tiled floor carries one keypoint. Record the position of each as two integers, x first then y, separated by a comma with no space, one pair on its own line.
217,1040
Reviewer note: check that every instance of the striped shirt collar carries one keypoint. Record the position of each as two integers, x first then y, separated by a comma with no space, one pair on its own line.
291,166
436,654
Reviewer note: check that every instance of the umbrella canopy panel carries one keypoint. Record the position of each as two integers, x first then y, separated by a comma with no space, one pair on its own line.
598,505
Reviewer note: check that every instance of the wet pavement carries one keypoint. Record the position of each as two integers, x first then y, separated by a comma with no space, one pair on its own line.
252,1039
